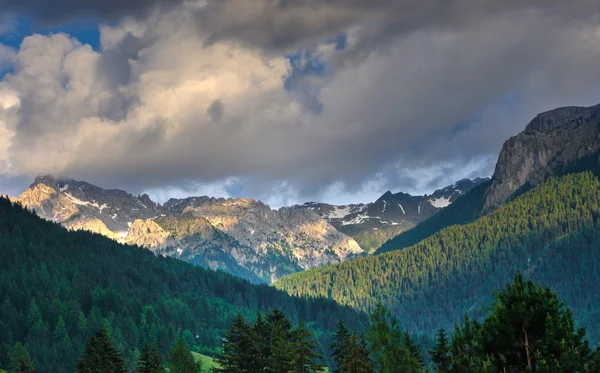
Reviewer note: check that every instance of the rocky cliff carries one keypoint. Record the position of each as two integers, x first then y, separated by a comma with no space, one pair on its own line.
549,145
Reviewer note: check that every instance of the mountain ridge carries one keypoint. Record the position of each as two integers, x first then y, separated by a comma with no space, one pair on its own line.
371,224
242,236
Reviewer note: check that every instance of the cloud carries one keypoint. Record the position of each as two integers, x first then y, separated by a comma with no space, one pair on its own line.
200,94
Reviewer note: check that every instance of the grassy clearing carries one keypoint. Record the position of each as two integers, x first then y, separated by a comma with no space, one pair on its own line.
207,362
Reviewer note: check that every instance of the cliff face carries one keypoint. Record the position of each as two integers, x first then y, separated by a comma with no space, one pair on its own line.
242,236
300,236
549,144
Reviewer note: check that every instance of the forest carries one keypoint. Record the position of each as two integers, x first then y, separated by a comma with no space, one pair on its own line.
58,288
527,329
550,233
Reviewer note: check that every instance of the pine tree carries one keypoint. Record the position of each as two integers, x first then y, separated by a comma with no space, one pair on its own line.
386,341
240,353
262,337
304,356
529,325
339,346
413,348
181,359
280,358
440,353
100,356
150,360
60,332
19,360
356,357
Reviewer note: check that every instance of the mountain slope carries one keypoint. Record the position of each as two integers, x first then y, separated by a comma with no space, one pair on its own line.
464,210
433,282
243,237
58,287
374,223
550,143
555,143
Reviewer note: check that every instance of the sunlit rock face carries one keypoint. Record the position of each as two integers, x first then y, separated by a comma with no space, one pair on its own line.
550,144
241,236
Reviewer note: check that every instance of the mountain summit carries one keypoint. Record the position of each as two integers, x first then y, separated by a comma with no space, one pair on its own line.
241,236
551,144
374,223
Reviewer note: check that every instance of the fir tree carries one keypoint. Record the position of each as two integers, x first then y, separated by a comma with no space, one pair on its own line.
339,346
440,353
100,356
240,352
413,348
150,360
19,360
305,359
356,356
386,341
181,359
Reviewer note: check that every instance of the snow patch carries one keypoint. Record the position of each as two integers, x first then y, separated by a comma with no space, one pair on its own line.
402,208
338,212
384,206
79,202
64,187
440,202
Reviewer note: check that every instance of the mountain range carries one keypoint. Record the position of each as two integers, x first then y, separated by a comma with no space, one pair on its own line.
374,223
241,236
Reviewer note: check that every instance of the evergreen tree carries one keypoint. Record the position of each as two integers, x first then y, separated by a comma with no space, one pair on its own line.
240,352
150,360
60,332
356,357
100,356
339,346
262,342
529,326
413,348
181,359
281,355
386,341
527,330
304,356
440,353
19,360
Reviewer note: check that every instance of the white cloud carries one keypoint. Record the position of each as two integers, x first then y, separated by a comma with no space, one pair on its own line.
164,102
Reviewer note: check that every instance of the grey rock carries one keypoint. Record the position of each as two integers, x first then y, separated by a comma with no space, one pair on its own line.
549,144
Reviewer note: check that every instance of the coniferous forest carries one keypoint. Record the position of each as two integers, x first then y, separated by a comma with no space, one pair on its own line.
526,329
59,288
76,301
550,233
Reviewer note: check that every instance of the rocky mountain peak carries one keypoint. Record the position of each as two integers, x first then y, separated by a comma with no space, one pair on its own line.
551,143
550,120
47,180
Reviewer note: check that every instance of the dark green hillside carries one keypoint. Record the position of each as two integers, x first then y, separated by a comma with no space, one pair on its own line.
464,210
58,288
549,232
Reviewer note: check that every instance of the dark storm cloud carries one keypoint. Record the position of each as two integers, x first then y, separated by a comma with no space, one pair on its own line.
281,24
424,92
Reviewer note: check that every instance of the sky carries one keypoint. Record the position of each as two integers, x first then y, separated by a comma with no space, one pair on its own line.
285,101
